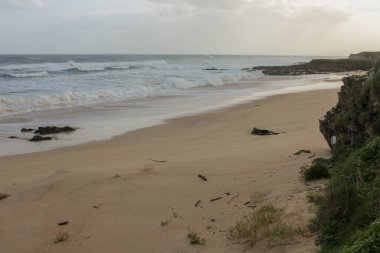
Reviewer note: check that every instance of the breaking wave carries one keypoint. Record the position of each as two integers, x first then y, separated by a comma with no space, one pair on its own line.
44,69
33,102
24,75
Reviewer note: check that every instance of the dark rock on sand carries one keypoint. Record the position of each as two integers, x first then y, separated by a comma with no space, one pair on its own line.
317,66
25,130
38,138
53,130
12,137
306,151
202,177
3,196
257,131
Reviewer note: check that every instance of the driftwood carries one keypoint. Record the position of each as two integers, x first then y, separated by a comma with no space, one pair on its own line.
234,197
197,203
63,223
212,200
202,177
158,161
306,151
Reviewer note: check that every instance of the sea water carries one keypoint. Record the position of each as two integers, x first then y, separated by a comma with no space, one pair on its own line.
107,95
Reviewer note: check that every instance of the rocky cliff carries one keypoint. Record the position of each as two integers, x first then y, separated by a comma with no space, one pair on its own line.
365,56
356,118
317,66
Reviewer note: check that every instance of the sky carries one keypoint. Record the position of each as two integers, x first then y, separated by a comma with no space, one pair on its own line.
255,27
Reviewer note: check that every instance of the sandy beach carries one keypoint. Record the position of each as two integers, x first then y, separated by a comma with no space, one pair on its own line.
115,194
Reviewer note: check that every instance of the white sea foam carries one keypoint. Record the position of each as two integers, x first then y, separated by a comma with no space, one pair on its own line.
83,66
98,93
25,75
52,82
34,102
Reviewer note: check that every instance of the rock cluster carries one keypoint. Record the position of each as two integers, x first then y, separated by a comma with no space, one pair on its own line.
38,138
318,66
53,130
41,131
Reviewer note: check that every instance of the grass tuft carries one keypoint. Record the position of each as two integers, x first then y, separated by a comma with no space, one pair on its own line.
266,223
195,238
61,237
318,170
165,223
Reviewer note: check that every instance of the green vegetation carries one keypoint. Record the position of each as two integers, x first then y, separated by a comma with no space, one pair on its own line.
165,223
318,170
61,237
366,241
352,200
266,223
348,213
195,238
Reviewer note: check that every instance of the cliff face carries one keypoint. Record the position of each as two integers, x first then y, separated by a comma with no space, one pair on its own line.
356,117
365,56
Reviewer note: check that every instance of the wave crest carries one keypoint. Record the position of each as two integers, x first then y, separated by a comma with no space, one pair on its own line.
24,75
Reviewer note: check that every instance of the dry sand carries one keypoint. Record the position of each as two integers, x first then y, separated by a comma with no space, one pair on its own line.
115,197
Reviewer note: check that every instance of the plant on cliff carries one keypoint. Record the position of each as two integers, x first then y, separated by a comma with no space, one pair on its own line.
366,241
352,200
318,170
348,216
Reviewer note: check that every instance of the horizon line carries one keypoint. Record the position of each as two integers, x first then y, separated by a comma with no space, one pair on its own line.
175,54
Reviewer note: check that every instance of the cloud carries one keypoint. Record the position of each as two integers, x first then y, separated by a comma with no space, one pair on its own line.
322,27
21,4
266,27
208,4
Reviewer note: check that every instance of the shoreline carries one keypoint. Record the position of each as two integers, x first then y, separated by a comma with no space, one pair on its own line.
133,194
119,125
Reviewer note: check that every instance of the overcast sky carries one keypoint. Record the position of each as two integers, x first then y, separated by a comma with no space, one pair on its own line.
274,27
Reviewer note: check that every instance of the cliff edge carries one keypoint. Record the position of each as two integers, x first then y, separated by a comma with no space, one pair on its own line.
356,117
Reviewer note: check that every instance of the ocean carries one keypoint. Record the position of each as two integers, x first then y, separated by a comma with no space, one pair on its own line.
107,95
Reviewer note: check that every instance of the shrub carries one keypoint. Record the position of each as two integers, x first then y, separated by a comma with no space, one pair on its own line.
352,199
195,238
318,170
366,241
